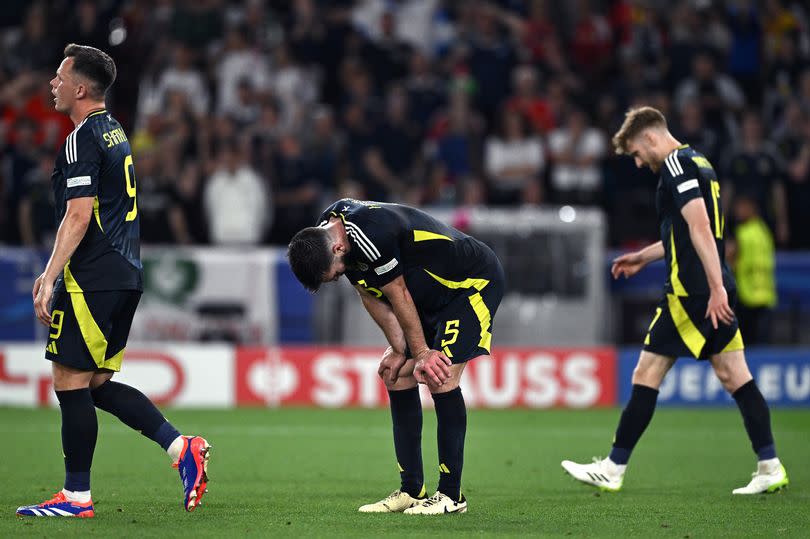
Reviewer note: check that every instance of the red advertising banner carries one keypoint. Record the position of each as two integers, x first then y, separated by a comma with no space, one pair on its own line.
345,376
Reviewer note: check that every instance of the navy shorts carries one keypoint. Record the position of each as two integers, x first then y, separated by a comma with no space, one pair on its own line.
680,329
89,330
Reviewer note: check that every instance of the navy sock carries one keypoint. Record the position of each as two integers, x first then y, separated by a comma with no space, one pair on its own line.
79,433
136,411
451,416
757,419
636,416
406,415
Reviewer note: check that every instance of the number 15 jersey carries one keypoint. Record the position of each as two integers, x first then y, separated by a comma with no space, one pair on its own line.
96,161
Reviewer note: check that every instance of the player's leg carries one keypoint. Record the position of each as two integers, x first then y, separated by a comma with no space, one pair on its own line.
732,371
451,431
406,418
72,370
188,453
608,474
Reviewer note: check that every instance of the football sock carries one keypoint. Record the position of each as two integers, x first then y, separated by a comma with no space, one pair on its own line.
136,411
451,416
80,496
636,416
175,448
79,432
757,419
406,415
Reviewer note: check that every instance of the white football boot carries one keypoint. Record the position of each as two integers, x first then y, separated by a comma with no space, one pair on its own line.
604,474
396,502
438,504
769,477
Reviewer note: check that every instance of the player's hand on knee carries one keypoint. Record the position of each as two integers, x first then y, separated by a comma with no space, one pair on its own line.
42,293
432,367
718,308
390,365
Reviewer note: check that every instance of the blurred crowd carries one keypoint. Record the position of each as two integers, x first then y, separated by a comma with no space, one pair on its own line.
246,117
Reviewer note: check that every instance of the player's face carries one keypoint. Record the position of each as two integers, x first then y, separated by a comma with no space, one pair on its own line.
63,87
337,269
642,153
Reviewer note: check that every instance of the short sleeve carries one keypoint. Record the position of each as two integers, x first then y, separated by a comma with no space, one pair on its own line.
82,164
681,177
376,236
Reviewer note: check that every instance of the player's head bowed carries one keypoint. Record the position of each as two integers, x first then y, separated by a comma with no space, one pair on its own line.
644,136
311,256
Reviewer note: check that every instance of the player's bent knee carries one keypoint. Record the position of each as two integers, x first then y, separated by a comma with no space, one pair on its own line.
67,378
100,378
403,382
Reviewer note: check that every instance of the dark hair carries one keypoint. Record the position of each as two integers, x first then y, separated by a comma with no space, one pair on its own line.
94,65
310,257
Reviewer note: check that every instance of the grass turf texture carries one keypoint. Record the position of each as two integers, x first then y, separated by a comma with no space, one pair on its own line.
304,473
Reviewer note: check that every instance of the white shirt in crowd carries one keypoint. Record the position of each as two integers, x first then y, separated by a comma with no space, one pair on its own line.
569,176
236,206
502,155
237,66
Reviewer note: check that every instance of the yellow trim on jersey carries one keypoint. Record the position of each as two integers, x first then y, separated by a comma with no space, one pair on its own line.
114,363
95,212
677,285
478,284
70,282
96,113
425,235
654,320
690,335
484,318
736,343
94,339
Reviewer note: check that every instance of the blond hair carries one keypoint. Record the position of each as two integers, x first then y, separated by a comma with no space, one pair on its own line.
635,122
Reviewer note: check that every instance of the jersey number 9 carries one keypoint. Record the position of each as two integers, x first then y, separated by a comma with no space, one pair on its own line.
129,174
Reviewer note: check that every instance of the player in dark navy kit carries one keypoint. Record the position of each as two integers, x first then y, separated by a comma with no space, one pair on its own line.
695,317
90,289
434,292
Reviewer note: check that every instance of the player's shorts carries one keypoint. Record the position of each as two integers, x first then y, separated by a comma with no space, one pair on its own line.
89,330
680,329
462,330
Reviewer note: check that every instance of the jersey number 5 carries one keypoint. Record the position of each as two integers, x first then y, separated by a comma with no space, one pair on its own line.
129,174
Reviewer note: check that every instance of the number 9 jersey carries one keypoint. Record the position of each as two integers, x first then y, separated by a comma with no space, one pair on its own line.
96,161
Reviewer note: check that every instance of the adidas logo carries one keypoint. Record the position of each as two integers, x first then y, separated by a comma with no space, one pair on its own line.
52,348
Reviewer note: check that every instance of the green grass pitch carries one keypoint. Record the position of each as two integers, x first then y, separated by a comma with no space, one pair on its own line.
304,472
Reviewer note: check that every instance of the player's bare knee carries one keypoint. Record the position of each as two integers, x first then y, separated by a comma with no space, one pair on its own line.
100,378
68,379
403,382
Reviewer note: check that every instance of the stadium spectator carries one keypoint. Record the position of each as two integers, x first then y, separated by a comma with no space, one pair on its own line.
235,200
426,93
528,100
753,259
160,214
691,130
296,189
393,158
241,67
182,77
36,223
514,162
755,169
576,149
719,96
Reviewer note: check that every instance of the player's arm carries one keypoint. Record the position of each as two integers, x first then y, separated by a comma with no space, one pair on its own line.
631,263
394,357
700,232
71,231
384,317
431,365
